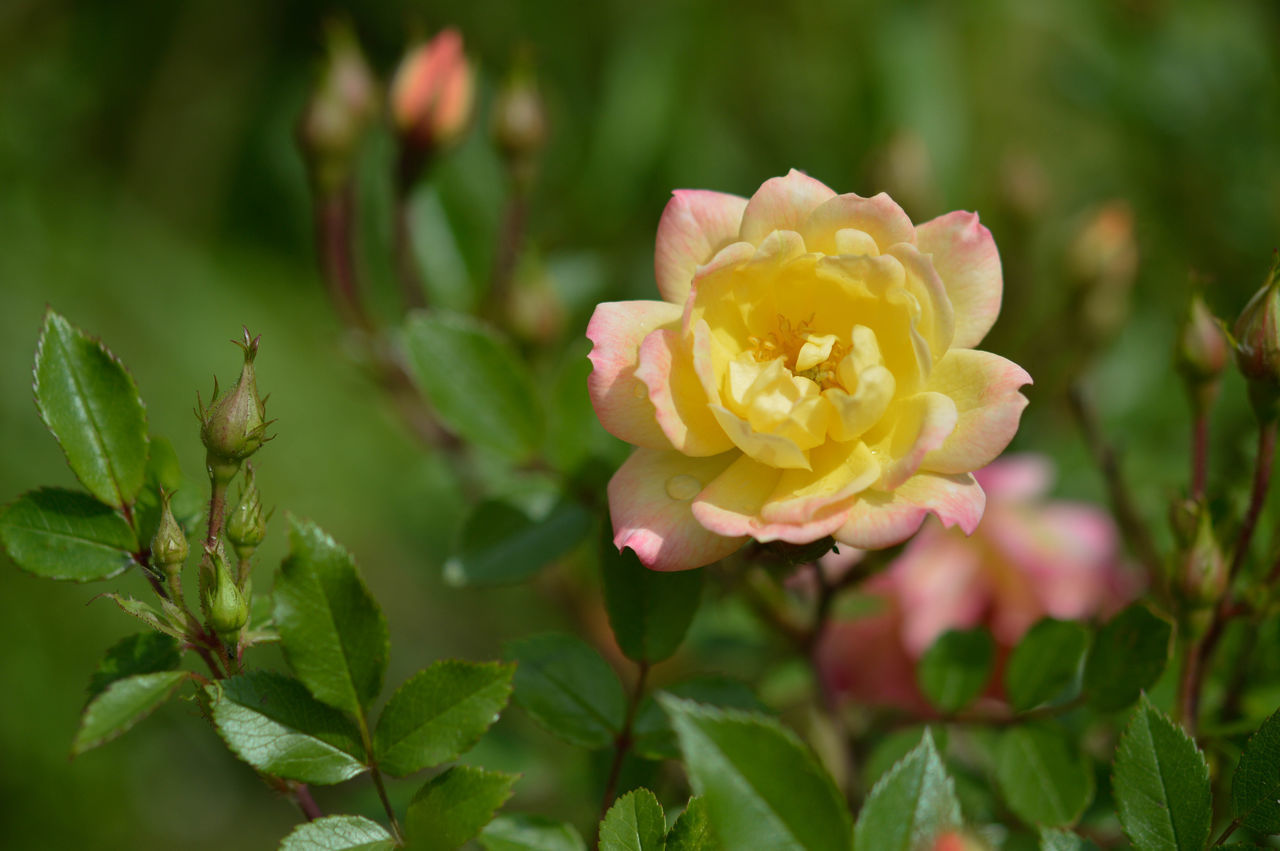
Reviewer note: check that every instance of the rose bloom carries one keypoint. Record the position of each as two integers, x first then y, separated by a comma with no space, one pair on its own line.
1031,558
809,372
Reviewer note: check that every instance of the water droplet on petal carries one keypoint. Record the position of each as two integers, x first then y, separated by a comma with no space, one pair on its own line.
683,487
640,390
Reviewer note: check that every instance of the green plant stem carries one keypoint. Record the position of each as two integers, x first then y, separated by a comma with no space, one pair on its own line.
333,215
376,774
412,290
1226,834
622,744
1257,497
507,257
1199,454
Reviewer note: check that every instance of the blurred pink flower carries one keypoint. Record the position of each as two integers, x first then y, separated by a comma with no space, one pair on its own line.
1030,558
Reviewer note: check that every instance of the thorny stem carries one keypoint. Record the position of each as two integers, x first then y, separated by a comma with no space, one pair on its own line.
1199,454
334,213
1104,455
622,744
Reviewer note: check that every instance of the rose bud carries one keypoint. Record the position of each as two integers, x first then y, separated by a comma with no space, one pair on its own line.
1257,334
234,425
431,98
225,607
247,524
1102,264
520,122
342,105
169,546
1204,568
1201,352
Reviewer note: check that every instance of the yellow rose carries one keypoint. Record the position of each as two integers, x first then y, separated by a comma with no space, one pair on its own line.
808,373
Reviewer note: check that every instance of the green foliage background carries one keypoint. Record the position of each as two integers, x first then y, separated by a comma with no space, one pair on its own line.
149,189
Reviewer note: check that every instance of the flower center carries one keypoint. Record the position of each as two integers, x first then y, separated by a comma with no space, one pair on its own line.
806,354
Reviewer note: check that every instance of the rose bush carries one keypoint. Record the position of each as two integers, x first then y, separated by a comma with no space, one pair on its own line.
810,371
1032,558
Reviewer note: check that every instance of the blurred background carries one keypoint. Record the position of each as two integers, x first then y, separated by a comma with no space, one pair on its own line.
150,190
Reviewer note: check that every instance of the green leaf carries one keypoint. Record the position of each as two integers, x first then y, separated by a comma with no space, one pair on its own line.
692,831
339,833
91,404
63,534
271,722
763,787
891,748
439,714
910,805
655,738
568,688
1161,785
333,632
1042,778
1127,658
956,668
530,833
1045,663
1054,839
453,807
650,610
475,382
144,613
635,822
143,653
501,544
121,705
1255,786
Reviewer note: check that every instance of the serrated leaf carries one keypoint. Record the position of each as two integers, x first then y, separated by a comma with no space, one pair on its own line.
143,653
121,705
653,735
635,822
477,385
454,806
649,610
1055,839
910,805
333,632
530,833
692,831
1045,663
892,747
1128,656
1255,786
273,723
144,613
63,534
764,789
339,833
439,714
1042,778
500,544
568,688
91,405
956,668
1161,785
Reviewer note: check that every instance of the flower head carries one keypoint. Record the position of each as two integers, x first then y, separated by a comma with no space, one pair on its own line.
432,93
810,372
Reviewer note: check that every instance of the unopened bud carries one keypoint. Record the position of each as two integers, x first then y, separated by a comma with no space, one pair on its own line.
520,122
247,524
1257,343
954,840
225,606
342,106
169,547
234,425
1102,263
1203,574
1201,354
431,98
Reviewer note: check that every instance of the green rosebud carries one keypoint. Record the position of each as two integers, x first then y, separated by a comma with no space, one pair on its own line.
234,425
1257,345
1201,352
520,121
225,607
247,524
1203,569
339,113
169,548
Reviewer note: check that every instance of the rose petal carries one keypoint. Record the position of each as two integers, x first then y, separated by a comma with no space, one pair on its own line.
920,423
731,505
878,519
941,586
678,397
864,660
621,400
772,449
879,217
649,500
694,226
840,472
966,258
984,388
1016,476
937,320
782,203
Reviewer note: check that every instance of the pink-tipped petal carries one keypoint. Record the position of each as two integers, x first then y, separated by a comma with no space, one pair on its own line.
840,472
923,423
984,388
620,399
864,660
694,226
1016,476
877,519
731,505
966,258
941,586
677,395
938,319
782,203
879,217
649,500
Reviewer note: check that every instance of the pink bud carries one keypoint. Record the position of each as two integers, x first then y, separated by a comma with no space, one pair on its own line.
432,94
